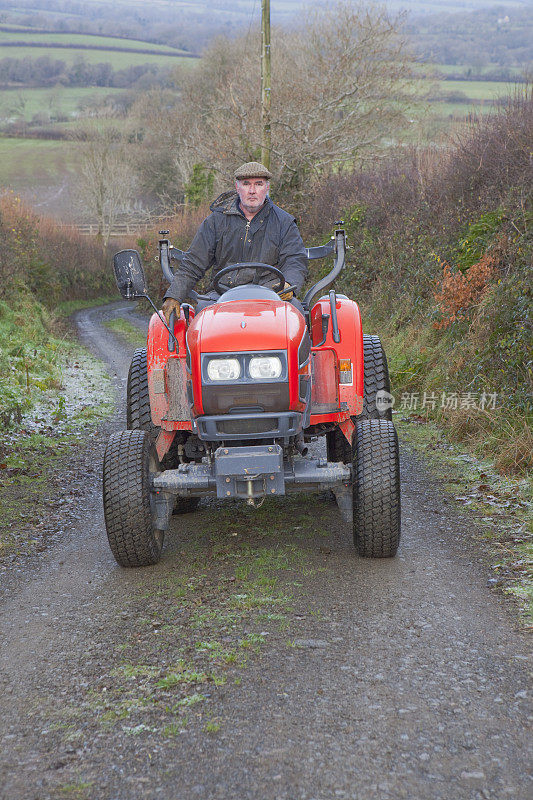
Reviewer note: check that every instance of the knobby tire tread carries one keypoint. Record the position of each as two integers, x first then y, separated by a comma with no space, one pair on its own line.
126,494
376,489
138,414
376,378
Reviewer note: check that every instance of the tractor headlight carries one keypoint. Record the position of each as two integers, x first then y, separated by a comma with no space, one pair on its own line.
265,368
223,369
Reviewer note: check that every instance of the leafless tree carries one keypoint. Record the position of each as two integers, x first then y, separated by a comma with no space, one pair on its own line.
108,183
340,92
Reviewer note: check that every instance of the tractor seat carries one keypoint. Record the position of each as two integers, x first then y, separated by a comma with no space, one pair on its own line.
248,291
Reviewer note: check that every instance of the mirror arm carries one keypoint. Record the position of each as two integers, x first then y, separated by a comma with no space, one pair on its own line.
334,322
171,335
129,295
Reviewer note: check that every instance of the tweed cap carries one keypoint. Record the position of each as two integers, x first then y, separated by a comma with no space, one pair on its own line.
252,169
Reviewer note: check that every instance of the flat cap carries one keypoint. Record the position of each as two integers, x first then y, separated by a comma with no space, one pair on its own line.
252,169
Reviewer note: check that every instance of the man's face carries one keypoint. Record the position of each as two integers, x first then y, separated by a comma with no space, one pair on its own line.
252,193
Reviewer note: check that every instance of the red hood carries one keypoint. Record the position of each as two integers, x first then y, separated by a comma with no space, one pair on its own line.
241,325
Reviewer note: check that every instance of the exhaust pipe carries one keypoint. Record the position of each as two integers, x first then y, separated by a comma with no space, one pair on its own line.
300,444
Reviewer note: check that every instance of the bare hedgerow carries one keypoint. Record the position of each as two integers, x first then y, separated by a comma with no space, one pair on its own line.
493,154
55,262
428,187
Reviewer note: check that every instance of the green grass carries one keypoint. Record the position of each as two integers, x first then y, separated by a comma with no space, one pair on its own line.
460,111
68,307
201,623
457,69
51,102
131,333
73,39
25,162
118,60
51,391
44,433
478,90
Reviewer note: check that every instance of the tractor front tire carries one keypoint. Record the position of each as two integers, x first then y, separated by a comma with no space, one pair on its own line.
130,462
376,489
138,414
376,378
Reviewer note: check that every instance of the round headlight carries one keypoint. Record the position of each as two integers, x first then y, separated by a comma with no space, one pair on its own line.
265,367
223,369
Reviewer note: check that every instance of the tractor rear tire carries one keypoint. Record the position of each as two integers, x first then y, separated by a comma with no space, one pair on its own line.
139,417
138,414
376,489
130,462
376,378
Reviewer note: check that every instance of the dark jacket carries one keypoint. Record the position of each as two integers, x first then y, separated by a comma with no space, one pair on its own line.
226,237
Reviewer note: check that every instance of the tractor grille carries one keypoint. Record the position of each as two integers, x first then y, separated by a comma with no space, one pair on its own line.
236,426
233,427
222,399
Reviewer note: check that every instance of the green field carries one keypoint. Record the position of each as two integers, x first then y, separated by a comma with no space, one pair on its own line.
463,69
458,110
117,60
65,101
478,90
23,162
73,39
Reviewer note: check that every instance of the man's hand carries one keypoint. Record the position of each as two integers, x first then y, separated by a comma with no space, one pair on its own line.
169,306
286,295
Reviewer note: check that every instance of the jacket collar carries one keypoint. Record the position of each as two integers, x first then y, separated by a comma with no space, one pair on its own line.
228,203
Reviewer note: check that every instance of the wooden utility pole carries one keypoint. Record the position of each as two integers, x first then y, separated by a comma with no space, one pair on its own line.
266,141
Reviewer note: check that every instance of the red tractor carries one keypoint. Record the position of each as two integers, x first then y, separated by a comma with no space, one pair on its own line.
223,404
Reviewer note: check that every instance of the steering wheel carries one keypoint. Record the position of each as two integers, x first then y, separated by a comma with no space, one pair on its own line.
255,265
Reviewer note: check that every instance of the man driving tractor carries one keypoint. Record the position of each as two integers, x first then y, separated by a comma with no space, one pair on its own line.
244,226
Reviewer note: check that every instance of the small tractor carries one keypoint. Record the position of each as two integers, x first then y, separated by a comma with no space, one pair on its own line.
225,403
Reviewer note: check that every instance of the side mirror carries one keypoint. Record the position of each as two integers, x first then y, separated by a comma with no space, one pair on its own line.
129,274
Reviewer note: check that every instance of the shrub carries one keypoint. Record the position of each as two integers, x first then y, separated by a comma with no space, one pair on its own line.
54,262
440,259
458,291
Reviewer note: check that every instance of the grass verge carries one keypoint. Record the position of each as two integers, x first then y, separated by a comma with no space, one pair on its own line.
52,394
130,333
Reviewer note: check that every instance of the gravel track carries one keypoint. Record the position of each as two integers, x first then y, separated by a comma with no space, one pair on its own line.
396,679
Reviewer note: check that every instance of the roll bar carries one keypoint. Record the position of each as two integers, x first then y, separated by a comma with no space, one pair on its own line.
338,246
168,253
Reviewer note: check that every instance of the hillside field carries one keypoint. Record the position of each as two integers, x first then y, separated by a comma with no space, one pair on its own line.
477,90
26,162
118,60
57,101
27,35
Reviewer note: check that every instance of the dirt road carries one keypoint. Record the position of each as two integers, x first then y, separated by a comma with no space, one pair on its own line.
261,658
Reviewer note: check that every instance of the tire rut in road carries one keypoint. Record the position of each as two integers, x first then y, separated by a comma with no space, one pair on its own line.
263,658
